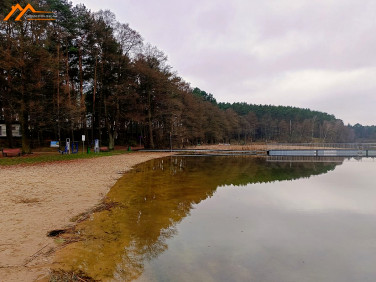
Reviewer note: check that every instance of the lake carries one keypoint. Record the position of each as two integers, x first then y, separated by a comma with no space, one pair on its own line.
232,219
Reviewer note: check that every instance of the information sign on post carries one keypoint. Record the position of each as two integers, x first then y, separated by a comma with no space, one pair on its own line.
96,145
67,145
54,144
83,144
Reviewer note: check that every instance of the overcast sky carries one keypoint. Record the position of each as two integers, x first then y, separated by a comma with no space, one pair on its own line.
312,54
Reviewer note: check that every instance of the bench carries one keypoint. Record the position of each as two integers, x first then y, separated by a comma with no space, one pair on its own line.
104,149
11,152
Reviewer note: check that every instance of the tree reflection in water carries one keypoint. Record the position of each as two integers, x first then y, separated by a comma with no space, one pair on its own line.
153,198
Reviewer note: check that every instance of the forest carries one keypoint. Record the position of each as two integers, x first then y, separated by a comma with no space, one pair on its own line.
88,74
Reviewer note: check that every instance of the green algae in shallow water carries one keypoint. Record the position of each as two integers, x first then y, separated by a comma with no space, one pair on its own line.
153,198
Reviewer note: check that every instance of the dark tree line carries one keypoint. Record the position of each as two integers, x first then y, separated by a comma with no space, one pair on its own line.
87,73
281,123
365,133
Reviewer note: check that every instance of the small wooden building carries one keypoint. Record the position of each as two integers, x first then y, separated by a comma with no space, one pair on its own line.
16,130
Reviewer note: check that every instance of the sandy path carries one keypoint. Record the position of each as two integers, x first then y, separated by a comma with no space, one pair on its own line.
40,198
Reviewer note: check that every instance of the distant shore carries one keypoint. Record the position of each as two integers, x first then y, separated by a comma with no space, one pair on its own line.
43,197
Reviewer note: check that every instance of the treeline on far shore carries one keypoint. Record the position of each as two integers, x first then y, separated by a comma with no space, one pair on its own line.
88,74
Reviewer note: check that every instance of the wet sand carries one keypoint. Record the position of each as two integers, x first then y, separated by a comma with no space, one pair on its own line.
36,199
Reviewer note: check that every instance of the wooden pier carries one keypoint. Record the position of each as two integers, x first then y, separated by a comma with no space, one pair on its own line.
357,150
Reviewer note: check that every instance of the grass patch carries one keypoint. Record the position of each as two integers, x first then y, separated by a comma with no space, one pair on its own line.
46,158
60,241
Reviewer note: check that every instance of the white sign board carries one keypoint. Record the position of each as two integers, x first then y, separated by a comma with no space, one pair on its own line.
83,138
54,144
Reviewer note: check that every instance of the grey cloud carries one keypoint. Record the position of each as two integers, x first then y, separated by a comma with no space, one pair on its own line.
248,50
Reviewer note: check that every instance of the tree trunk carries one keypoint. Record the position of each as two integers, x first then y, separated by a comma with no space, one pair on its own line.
8,124
82,98
94,93
108,124
24,120
24,114
150,126
58,93
111,140
8,116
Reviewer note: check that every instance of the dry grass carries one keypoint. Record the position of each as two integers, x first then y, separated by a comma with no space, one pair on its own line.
104,205
22,200
63,276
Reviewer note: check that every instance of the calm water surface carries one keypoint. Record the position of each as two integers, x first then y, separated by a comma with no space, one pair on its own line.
233,219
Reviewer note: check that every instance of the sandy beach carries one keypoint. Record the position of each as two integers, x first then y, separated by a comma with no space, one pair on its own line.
39,198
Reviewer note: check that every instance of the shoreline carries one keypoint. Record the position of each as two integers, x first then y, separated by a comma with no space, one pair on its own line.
43,197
